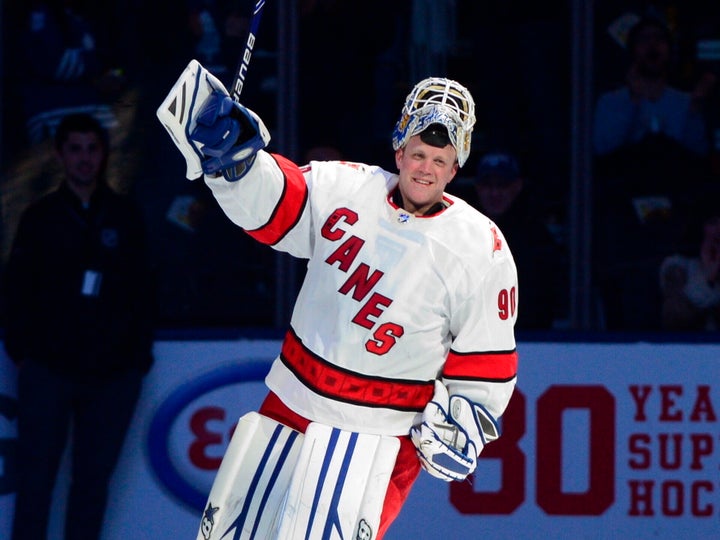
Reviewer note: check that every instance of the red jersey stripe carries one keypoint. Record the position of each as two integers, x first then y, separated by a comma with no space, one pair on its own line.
340,384
288,209
496,366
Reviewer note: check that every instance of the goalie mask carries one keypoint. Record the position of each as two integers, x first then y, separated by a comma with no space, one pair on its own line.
438,101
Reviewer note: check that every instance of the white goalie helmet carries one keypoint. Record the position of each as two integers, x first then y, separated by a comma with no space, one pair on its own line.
437,100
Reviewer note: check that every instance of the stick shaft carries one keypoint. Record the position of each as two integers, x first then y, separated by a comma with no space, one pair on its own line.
241,71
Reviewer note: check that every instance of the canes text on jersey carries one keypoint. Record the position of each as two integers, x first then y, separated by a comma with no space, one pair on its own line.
360,283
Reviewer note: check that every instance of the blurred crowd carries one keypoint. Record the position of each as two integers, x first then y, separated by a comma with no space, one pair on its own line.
656,135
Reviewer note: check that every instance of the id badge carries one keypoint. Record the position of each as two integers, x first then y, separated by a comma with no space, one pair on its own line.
91,283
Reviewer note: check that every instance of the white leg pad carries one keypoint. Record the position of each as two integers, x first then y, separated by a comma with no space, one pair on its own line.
339,485
252,480
275,483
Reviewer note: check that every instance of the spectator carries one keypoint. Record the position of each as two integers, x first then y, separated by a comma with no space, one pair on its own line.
60,68
647,106
204,21
500,192
647,135
79,327
690,278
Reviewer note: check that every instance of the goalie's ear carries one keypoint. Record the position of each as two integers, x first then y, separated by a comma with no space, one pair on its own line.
398,156
178,112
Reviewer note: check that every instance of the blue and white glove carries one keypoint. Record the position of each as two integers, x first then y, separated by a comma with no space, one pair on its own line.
213,133
453,432
229,136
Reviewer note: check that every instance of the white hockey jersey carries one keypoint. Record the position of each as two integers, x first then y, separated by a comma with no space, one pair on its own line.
390,301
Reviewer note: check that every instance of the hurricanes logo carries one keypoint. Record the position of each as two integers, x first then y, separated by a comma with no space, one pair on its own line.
364,531
497,243
208,520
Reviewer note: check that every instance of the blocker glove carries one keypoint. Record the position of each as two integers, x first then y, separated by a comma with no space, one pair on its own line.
453,432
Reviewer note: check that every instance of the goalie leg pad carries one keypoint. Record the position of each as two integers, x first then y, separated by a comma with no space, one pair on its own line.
339,485
179,110
252,480
276,483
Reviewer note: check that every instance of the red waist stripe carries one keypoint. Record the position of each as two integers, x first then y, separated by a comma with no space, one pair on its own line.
343,385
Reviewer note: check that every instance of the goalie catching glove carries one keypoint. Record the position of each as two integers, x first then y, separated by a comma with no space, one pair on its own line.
453,432
214,133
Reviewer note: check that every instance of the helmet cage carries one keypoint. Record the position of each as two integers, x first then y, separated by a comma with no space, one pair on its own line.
438,101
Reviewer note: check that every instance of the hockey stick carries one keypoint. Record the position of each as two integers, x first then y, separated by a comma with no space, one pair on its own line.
240,72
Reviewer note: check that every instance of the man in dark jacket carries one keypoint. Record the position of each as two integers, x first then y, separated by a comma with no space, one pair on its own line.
79,301
502,193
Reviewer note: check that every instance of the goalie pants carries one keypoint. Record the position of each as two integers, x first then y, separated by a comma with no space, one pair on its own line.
407,466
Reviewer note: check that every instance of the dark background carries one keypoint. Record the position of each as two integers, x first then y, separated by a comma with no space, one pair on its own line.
335,73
